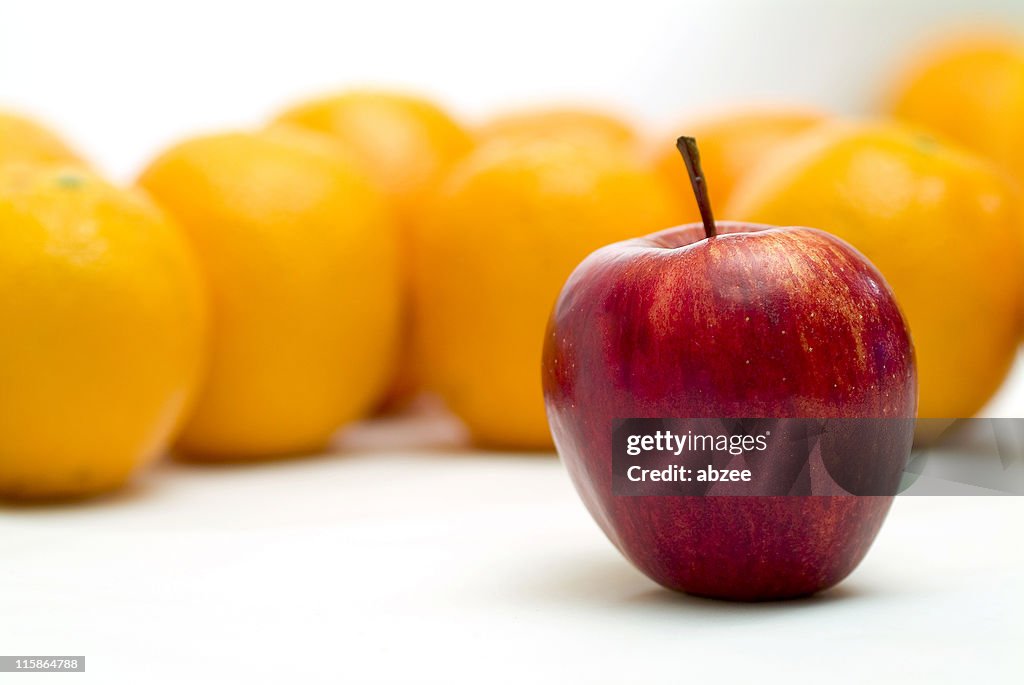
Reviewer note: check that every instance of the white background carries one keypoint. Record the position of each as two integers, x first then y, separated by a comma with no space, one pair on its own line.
125,78
392,564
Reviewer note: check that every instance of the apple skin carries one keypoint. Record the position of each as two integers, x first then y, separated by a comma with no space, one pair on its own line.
663,326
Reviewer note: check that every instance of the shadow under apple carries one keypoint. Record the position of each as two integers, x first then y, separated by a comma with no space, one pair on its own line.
605,582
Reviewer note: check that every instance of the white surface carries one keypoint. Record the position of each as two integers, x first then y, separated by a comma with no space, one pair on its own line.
393,565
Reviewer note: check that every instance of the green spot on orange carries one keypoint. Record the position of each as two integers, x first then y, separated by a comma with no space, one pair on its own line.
70,180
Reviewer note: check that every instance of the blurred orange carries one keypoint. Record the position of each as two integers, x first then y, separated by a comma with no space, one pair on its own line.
507,228
732,144
405,144
404,141
301,257
970,88
104,322
24,140
565,123
942,225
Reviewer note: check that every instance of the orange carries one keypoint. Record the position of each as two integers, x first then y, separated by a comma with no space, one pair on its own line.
970,88
301,257
942,225
732,144
563,123
23,140
405,144
103,311
505,231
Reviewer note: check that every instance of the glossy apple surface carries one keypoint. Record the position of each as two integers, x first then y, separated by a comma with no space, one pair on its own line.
755,322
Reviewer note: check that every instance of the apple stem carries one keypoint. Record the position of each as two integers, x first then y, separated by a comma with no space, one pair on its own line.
688,149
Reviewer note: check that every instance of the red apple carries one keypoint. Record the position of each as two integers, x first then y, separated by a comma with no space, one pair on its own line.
730,320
